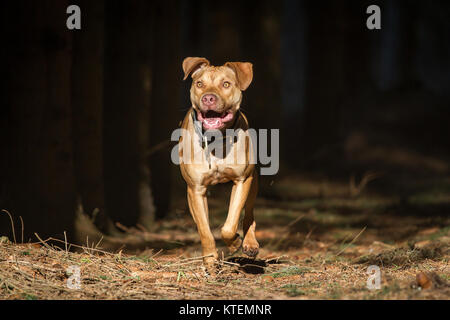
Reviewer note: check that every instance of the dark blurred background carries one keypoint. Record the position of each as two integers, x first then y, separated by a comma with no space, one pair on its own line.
86,115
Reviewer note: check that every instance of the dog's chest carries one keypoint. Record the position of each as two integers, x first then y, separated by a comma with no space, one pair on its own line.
225,162
218,170
227,157
220,162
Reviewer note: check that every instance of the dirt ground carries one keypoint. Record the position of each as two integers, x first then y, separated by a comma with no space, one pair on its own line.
318,238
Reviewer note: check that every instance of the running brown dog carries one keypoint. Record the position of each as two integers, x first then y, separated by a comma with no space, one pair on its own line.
216,95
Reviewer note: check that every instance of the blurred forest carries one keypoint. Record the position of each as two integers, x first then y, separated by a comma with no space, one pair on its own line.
86,115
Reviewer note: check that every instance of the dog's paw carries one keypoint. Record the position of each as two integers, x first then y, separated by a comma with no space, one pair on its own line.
235,245
250,249
210,271
210,266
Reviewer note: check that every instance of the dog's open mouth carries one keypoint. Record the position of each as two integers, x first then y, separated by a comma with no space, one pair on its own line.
213,120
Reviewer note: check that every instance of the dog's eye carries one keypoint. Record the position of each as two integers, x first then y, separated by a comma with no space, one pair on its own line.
226,84
199,84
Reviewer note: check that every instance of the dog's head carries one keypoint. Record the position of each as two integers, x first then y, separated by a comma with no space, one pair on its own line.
216,92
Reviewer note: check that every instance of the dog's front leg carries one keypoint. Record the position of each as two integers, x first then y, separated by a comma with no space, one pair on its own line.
198,207
238,198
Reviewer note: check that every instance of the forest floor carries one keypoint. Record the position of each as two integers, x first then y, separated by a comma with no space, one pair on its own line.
317,237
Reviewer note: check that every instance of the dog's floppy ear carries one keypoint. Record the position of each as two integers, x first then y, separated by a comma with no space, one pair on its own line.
190,64
244,73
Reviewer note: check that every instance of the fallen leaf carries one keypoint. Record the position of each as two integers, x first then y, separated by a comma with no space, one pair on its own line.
265,234
422,244
429,231
56,265
267,278
423,280
143,275
321,244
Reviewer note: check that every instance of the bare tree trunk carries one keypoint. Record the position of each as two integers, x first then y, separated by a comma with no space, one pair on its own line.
293,77
165,98
57,180
222,34
5,111
87,98
41,175
260,43
325,77
127,83
395,64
